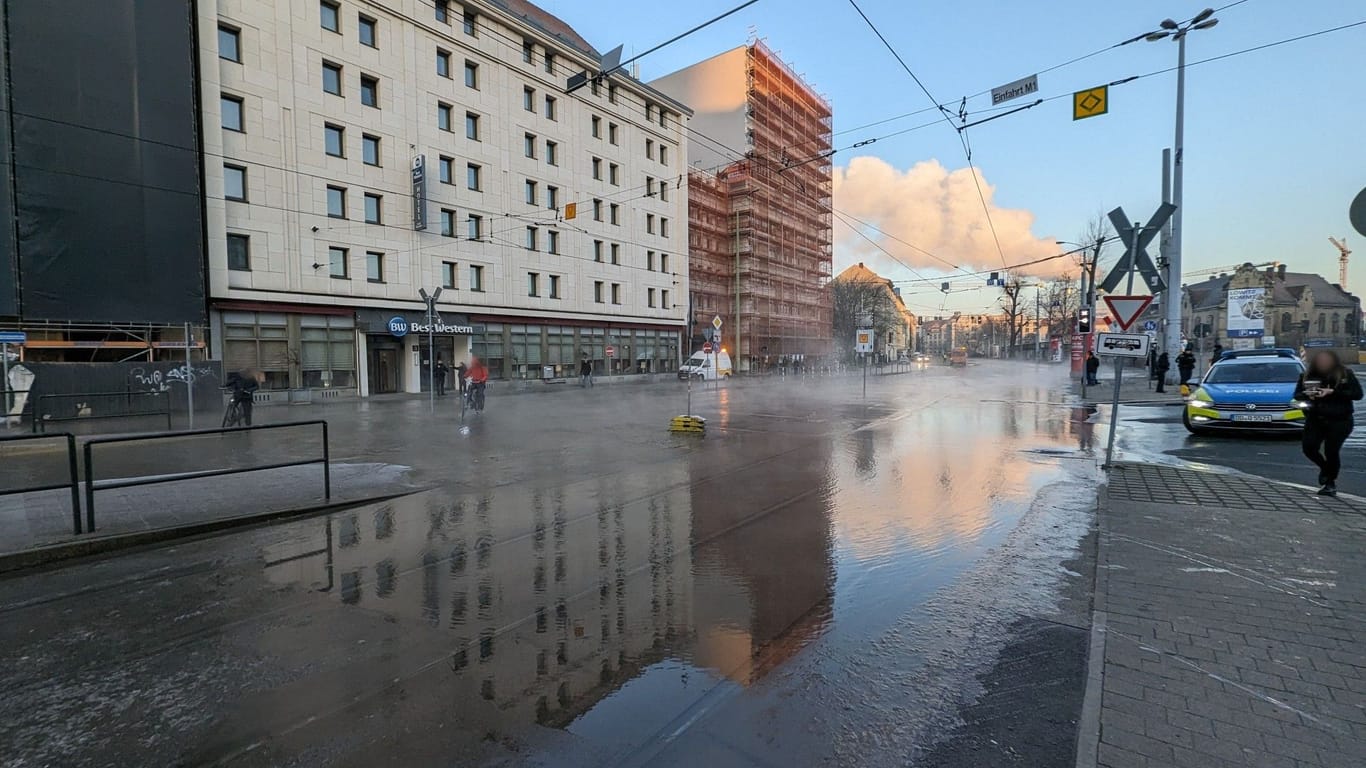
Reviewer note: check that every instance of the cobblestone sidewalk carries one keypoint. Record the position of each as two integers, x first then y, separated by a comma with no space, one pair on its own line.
1233,613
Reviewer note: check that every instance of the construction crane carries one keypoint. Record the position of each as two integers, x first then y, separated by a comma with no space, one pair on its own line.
1230,269
1342,260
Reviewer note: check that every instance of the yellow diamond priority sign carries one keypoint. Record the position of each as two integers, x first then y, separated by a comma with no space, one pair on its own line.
1091,102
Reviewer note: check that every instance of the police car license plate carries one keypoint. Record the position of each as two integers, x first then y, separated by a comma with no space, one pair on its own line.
1252,417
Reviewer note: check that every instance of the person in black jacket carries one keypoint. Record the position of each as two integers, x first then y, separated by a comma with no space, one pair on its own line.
1164,364
1185,365
1329,388
1092,368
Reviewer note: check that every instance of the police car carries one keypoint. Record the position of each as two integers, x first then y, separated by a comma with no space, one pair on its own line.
1251,389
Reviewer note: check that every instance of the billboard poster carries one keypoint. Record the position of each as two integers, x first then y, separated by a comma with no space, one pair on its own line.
1246,313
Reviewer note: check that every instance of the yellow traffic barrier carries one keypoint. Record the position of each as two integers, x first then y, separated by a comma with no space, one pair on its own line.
688,425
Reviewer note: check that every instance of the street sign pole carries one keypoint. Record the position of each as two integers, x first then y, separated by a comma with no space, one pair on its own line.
4,385
1119,361
189,377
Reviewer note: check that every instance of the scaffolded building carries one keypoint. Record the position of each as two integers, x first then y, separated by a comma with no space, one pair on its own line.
759,208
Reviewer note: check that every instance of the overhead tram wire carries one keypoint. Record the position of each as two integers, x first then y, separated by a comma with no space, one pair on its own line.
947,118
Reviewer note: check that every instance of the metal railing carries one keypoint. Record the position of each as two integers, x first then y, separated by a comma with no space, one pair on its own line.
100,405
92,484
73,479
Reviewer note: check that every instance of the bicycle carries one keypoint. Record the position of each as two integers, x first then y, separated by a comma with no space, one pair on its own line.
473,399
235,415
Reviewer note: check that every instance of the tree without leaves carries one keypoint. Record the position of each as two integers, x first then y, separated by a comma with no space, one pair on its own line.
1014,311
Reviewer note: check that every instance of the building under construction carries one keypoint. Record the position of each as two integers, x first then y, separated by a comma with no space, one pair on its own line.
759,207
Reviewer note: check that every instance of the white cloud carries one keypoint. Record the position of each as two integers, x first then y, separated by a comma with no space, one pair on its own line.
936,210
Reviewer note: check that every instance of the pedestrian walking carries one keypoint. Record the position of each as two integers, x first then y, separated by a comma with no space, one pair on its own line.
585,372
1329,388
461,372
1092,368
1164,364
440,373
1185,365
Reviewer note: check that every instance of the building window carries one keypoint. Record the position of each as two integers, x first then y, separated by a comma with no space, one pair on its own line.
649,112
529,145
552,198
447,222
334,140
472,177
593,86
533,280
327,351
372,208
471,23
369,34
369,149
443,11
443,63
443,116
235,183
649,186
650,148
474,226
336,202
650,260
528,98
447,274
239,253
446,169
552,153
231,107
554,286
663,155
336,263
528,51
612,134
615,211
597,251
330,14
597,168
531,233
597,291
663,226
374,267
614,175
616,293
472,126
332,78
1337,323
369,91
550,107
552,242
664,190
229,44
597,127
616,253
530,192
549,63
471,75
649,223
1323,323
664,300
597,210
476,278
650,297
663,262
612,93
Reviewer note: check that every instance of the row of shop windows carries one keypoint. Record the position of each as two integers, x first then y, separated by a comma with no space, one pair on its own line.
319,351
524,351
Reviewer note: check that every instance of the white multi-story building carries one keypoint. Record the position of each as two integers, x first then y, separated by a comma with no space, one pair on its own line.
555,224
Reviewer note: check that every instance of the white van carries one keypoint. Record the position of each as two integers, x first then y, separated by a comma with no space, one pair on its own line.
700,366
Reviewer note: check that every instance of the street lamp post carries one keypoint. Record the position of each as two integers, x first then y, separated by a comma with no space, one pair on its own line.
1170,29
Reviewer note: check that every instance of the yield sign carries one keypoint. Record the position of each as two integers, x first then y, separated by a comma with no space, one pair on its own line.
1126,309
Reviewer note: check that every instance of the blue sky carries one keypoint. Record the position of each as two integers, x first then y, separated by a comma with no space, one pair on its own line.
1274,150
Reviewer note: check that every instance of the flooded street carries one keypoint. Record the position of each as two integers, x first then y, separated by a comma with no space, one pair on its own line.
821,580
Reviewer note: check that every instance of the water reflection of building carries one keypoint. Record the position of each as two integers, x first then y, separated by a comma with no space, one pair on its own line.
763,572
548,597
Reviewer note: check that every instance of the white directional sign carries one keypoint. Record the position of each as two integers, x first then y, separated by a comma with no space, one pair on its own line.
863,341
1022,87
1123,344
1126,309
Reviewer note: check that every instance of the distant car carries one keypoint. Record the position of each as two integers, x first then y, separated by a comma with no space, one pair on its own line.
1251,390
959,357
921,357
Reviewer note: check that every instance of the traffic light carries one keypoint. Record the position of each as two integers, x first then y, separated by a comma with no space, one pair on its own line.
1084,320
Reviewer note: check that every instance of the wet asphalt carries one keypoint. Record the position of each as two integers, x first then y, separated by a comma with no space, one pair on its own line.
822,580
